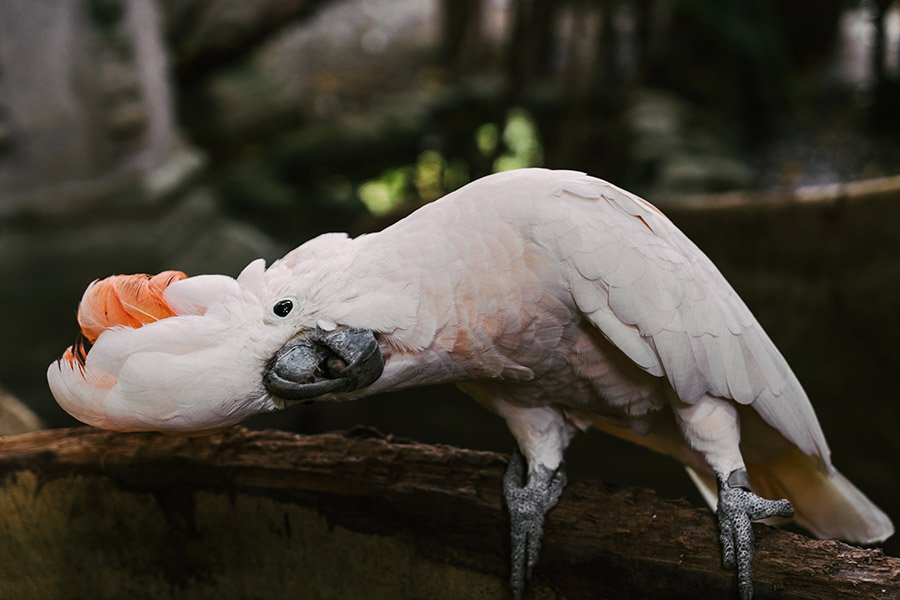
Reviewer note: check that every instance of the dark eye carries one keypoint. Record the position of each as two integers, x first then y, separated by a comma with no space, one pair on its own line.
283,308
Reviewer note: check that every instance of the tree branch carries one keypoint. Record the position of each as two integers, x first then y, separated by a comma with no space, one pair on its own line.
265,514
877,188
204,34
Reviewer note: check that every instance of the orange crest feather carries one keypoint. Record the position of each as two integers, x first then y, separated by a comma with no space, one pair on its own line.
120,300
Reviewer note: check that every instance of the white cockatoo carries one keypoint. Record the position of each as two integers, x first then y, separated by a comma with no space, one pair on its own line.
555,299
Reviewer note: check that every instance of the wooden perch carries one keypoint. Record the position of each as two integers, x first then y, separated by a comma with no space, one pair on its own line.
861,190
268,514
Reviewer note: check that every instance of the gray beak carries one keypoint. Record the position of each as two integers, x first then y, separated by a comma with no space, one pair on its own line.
324,362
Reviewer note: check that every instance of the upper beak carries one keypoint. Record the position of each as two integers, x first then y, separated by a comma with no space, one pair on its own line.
324,362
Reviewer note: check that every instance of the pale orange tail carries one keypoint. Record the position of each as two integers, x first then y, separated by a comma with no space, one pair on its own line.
826,503
120,300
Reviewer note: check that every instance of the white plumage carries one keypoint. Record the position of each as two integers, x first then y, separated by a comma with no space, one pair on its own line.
556,299
178,374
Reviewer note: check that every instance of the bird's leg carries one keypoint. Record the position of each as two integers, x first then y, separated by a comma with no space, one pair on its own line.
738,506
533,483
528,503
712,427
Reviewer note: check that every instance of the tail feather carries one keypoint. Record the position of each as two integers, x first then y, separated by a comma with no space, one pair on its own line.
826,503
706,486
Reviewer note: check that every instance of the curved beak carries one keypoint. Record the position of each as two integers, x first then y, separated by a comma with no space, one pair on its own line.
324,362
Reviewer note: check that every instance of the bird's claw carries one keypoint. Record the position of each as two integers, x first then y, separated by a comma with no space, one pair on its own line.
738,506
528,503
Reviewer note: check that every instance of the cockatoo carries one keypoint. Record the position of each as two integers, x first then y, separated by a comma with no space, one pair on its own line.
556,300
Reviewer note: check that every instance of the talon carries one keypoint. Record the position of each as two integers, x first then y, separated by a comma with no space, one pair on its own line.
738,506
726,539
515,471
528,503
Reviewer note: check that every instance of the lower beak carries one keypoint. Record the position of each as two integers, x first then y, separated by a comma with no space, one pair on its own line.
321,362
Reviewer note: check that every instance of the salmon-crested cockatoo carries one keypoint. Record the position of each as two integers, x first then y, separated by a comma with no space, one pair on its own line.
555,299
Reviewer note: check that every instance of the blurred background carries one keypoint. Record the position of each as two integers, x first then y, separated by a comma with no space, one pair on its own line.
142,135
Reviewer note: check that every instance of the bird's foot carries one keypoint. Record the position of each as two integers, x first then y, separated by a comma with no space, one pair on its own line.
528,503
738,506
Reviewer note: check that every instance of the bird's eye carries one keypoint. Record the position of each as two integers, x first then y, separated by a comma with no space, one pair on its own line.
283,308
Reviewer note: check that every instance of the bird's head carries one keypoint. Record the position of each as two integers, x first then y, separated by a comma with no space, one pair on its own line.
337,322
186,355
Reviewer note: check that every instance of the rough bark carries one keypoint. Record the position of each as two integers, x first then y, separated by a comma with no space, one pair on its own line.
270,514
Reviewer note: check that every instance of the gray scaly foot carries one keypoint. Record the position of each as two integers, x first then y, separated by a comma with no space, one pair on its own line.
738,506
528,503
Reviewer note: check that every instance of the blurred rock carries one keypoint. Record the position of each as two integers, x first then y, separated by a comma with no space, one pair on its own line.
677,152
687,173
349,59
656,122
15,417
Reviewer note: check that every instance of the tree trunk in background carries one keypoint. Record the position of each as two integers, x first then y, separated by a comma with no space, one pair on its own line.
269,514
84,98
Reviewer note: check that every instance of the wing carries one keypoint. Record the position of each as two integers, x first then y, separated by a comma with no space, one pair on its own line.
657,297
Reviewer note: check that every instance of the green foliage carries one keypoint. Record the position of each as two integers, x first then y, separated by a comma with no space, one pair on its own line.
430,178
428,175
487,137
385,193
433,175
522,141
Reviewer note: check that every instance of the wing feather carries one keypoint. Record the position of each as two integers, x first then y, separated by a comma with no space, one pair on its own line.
657,297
